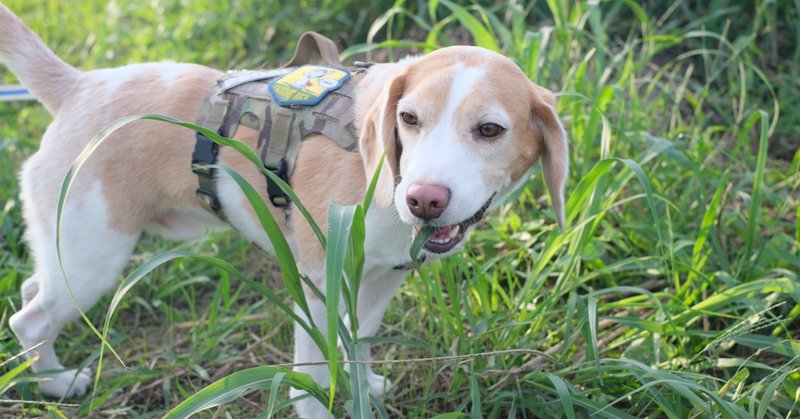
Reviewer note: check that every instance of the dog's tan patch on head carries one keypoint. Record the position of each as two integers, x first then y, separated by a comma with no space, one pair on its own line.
501,89
453,93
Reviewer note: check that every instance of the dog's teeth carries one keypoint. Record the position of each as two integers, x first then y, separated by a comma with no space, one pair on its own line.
455,230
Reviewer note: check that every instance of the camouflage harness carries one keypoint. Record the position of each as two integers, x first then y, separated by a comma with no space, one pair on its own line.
246,98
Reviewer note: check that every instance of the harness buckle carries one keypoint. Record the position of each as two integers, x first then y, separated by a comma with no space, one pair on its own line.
276,194
210,198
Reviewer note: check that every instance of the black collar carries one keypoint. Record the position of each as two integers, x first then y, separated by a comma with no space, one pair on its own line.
411,264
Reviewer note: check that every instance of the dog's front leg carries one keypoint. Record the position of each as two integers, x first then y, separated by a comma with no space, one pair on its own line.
305,351
373,299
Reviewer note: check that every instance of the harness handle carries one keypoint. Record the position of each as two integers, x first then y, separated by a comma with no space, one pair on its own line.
309,43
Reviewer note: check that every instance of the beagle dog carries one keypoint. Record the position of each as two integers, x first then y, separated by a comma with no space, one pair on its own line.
460,128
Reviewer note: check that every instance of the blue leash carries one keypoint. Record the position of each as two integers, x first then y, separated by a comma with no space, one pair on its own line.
14,93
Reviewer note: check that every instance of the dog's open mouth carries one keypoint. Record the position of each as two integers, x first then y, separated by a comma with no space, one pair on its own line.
444,238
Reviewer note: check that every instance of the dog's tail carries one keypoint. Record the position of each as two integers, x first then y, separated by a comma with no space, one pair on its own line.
35,65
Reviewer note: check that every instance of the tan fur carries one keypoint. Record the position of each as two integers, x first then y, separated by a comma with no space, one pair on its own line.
378,138
323,166
137,181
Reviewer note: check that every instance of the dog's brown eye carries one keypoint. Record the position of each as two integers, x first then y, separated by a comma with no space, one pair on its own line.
409,118
490,130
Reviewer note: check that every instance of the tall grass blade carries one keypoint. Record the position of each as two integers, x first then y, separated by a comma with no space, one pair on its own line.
475,398
420,239
769,393
710,215
372,184
340,221
238,383
726,297
283,253
755,199
451,415
134,277
360,407
564,395
483,37
432,6
66,185
591,310
354,264
367,48
273,393
6,379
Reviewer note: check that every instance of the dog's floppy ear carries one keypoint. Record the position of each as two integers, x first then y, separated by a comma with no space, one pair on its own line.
555,159
379,134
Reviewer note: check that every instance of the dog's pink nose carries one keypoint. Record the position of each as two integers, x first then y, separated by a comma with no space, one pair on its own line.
427,201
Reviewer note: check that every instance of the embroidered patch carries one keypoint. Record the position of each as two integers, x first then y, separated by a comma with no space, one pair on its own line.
307,85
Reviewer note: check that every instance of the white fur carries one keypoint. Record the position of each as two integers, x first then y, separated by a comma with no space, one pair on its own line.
184,223
464,80
237,211
387,241
86,240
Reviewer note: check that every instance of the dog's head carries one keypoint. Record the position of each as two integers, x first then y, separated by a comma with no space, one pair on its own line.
460,127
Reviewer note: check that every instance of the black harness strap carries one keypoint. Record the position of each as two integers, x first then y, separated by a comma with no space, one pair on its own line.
204,156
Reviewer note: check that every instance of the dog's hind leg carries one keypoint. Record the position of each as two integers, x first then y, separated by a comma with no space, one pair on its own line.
93,257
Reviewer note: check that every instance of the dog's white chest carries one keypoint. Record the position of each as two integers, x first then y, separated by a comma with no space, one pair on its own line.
388,239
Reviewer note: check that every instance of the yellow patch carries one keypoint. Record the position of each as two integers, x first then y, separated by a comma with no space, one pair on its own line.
307,85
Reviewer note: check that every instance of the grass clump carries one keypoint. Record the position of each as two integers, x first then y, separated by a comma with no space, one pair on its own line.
672,293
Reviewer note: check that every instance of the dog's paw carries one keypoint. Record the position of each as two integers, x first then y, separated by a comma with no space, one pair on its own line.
66,383
378,384
308,407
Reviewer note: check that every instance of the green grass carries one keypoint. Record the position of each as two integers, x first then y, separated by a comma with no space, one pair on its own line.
672,293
